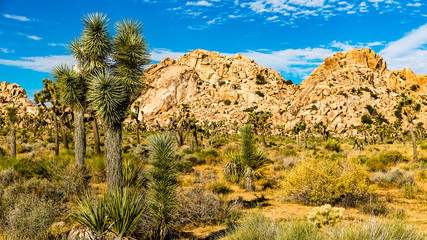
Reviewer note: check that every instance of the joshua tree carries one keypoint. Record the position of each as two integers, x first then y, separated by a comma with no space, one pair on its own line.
409,108
298,129
261,122
50,94
135,116
13,119
180,123
163,183
321,128
109,88
245,164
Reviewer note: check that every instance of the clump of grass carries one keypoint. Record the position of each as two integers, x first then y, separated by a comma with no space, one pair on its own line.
394,177
220,188
333,145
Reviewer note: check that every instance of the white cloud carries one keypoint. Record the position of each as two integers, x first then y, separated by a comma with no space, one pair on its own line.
33,37
272,18
408,51
298,62
16,17
199,3
413,4
159,54
347,45
57,44
6,50
39,64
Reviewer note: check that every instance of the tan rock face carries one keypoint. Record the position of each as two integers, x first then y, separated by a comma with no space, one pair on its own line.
13,94
220,88
216,87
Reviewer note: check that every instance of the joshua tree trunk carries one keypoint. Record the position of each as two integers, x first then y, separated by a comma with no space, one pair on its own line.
113,159
64,133
79,138
263,139
12,139
96,148
55,120
137,134
195,136
414,141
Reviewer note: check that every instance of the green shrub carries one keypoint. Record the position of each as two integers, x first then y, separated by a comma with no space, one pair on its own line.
318,182
325,215
333,145
385,160
423,145
227,102
220,188
258,227
409,190
374,207
375,229
29,168
194,160
185,166
3,152
259,93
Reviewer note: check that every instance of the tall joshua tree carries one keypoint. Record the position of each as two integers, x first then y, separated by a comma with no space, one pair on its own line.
113,90
408,108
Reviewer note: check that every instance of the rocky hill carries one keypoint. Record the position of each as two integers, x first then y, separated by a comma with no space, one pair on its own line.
13,94
222,87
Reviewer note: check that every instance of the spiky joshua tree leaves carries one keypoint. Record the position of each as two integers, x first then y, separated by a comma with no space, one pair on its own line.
163,183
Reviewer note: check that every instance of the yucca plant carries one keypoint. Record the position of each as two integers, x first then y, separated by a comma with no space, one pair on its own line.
131,174
93,215
163,183
124,211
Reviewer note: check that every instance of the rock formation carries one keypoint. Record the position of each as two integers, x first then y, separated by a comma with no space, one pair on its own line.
222,87
11,94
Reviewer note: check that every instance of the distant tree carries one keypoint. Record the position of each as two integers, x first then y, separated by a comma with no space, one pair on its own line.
180,123
321,128
13,119
135,116
299,129
407,108
261,121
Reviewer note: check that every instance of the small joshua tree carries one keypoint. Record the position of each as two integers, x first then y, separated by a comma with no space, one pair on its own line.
261,121
409,109
13,119
163,183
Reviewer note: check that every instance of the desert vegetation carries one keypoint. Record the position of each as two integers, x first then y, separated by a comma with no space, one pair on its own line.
88,166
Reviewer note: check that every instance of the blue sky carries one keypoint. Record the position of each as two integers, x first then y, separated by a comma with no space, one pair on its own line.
290,36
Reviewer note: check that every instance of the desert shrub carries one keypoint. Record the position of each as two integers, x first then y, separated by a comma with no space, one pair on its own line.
8,177
30,217
409,190
185,166
76,181
260,79
374,207
318,182
325,215
194,160
220,188
394,177
270,183
258,227
385,160
96,165
227,102
423,145
29,168
375,229
333,145
198,207
210,156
